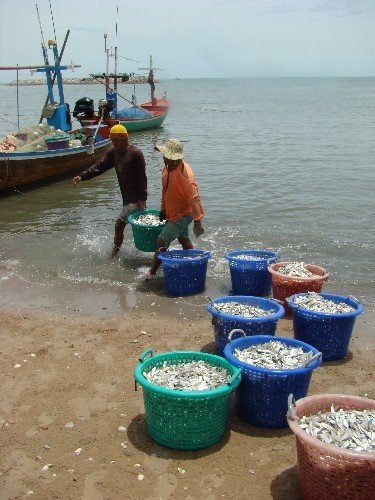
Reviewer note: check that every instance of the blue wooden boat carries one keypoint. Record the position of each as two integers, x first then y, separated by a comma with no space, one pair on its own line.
49,150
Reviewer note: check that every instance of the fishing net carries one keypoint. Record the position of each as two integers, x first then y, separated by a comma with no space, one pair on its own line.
33,138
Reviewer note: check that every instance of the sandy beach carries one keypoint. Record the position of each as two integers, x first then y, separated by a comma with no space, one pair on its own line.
68,385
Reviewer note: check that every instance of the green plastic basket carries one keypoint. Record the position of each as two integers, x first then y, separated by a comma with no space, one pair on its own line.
185,420
145,237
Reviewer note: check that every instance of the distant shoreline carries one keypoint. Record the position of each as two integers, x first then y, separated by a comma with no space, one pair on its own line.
71,81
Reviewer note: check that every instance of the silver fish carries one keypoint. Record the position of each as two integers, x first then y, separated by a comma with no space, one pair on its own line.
189,376
349,429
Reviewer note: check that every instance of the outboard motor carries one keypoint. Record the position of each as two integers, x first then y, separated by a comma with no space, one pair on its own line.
84,108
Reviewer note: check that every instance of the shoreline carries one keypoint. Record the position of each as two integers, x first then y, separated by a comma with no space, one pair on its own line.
63,368
69,356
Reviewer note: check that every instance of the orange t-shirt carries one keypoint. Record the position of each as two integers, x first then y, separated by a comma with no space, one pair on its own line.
180,195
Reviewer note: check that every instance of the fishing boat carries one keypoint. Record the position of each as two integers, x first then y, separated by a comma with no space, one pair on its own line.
51,149
135,117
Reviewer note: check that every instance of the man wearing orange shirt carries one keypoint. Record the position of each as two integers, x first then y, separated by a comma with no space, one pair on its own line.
180,204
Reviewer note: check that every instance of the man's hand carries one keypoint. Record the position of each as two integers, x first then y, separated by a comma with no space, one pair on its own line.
198,229
162,216
76,180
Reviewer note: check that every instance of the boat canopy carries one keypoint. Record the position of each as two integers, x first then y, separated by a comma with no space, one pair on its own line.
133,113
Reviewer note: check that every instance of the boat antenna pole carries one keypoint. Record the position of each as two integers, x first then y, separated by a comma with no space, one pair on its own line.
106,50
18,105
115,82
44,48
53,21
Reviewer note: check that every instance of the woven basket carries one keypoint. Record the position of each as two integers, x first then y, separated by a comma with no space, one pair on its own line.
330,333
224,323
145,237
185,420
327,471
251,277
283,286
262,396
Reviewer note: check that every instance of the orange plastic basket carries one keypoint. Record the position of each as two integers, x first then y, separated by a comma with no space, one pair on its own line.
284,286
327,471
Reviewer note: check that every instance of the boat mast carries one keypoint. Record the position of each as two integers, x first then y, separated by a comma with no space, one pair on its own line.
151,80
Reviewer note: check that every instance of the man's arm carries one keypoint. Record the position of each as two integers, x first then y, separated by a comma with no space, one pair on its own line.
98,168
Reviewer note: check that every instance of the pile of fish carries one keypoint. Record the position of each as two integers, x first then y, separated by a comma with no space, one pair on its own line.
148,220
350,429
190,376
315,302
275,355
248,256
237,309
295,269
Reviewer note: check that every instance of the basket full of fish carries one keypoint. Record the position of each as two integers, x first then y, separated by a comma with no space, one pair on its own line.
185,271
289,278
325,321
186,397
146,227
272,368
335,439
249,271
253,315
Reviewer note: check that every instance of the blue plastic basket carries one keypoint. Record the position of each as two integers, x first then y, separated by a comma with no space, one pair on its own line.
184,271
224,323
251,277
262,396
330,333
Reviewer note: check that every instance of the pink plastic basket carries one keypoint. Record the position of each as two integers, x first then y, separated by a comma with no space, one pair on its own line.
283,285
327,471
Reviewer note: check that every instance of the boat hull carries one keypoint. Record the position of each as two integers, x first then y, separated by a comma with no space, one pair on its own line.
143,124
18,169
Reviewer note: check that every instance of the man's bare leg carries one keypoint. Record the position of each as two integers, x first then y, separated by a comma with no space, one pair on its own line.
119,236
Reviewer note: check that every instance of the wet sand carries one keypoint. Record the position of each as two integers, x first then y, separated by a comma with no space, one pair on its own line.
74,363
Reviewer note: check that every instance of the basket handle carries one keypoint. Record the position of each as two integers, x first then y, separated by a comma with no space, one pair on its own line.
235,376
353,298
145,353
291,407
271,260
211,303
236,330
314,358
205,254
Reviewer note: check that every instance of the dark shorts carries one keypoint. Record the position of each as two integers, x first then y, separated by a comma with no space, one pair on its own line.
175,229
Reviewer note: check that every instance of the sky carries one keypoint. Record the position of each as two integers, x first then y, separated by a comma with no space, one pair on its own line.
197,38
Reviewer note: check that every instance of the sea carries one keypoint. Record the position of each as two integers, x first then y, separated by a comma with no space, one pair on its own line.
283,164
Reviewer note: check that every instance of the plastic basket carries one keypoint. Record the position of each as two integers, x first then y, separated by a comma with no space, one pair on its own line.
283,286
251,277
330,333
185,420
327,471
184,271
224,323
262,396
145,237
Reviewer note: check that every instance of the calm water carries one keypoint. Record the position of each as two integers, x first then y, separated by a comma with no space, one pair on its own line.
282,164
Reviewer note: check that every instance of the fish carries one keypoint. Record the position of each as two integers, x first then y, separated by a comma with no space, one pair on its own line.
188,376
350,429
